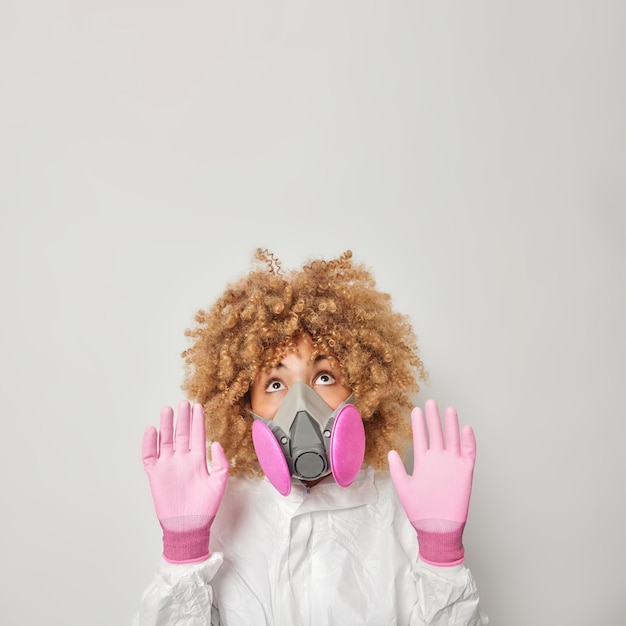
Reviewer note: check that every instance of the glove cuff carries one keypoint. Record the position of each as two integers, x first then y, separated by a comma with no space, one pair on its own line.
186,539
440,541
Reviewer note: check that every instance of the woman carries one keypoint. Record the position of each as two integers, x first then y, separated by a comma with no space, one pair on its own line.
305,379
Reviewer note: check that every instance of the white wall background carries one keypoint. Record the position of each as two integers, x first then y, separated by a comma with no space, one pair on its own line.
470,153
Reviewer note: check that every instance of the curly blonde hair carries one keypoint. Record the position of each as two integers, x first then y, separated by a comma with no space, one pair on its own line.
260,317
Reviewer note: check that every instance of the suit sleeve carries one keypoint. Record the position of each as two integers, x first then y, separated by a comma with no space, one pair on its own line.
181,595
446,596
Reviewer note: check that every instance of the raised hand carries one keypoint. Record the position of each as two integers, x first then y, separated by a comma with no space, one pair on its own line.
436,496
186,497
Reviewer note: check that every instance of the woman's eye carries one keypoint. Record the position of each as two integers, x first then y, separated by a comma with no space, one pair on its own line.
274,385
324,379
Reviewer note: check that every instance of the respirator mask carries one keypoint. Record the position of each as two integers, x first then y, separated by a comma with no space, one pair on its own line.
308,439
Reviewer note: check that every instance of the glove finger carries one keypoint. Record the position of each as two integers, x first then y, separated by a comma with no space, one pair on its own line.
198,434
219,462
397,470
420,442
435,434
149,453
468,443
453,438
219,474
166,433
183,421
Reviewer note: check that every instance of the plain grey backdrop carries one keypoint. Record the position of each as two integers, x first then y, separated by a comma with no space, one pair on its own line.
470,153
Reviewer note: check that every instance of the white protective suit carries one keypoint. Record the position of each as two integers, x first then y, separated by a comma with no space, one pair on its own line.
320,556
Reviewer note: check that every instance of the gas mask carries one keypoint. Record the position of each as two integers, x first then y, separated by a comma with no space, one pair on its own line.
307,439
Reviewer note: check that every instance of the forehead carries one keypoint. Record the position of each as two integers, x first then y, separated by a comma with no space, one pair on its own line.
302,349
299,347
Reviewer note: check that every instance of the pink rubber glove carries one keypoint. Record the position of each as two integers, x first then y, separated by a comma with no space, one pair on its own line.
186,497
436,497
